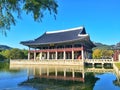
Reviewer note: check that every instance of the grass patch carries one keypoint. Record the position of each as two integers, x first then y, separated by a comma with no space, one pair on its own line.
118,65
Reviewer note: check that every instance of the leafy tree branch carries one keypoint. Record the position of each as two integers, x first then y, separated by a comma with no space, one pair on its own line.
10,8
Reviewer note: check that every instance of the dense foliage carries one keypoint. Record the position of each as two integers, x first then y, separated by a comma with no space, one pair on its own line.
103,51
9,9
2,57
4,66
102,54
13,54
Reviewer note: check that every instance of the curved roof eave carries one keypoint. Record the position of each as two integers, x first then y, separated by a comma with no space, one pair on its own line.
55,42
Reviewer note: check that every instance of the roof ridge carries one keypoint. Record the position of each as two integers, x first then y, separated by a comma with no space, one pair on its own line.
71,29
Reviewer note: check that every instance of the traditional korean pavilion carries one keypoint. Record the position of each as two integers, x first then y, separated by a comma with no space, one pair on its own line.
70,44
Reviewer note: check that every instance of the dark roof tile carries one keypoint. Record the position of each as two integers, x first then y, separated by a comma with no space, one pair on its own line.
58,36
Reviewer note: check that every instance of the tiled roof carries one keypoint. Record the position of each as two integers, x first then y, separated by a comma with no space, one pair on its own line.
58,36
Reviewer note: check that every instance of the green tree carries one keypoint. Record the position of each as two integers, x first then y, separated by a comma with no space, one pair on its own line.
25,53
96,54
102,54
14,54
6,53
9,9
2,57
106,53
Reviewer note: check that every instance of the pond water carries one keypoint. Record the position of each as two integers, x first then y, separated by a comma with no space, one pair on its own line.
57,78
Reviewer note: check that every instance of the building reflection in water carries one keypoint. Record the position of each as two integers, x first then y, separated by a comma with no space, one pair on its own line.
60,78
74,73
76,77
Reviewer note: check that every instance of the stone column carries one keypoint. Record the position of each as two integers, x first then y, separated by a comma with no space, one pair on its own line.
47,71
34,55
93,65
56,72
119,57
82,55
48,55
73,73
64,55
40,56
56,55
64,72
72,55
82,52
40,72
34,71
28,74
29,53
102,65
83,75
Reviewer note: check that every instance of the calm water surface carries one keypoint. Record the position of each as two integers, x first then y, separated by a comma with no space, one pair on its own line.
57,78
106,82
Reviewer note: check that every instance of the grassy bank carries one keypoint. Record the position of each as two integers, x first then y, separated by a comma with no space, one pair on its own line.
118,65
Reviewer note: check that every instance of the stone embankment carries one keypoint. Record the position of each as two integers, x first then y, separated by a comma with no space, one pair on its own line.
46,62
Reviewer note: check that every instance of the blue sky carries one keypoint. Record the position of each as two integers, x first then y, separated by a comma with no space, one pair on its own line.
101,18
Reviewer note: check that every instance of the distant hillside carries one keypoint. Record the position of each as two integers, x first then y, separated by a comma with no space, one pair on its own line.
117,46
103,46
4,47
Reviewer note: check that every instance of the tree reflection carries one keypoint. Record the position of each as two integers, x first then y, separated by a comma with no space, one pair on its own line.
116,82
4,66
